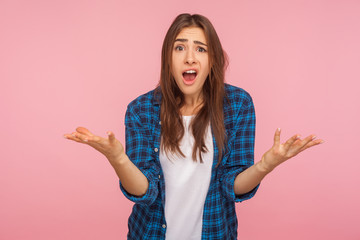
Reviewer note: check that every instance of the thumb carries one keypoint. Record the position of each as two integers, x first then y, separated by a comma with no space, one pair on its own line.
277,137
111,136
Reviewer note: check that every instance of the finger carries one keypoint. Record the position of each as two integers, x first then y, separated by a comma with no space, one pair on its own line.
277,137
71,137
84,131
111,136
81,137
311,144
306,141
86,136
291,141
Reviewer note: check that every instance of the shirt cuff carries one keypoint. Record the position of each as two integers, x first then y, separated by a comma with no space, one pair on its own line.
149,197
227,184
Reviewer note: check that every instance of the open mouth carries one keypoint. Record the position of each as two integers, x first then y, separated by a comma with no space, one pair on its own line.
189,76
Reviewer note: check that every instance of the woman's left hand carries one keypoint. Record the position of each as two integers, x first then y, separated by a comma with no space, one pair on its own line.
279,153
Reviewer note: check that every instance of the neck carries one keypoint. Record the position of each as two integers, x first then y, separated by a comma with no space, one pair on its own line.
191,105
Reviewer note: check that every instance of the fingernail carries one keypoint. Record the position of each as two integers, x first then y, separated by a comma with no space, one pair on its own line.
65,136
313,137
85,140
108,133
298,137
322,141
279,129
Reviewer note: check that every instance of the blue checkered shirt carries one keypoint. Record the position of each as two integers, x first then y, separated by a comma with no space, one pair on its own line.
143,129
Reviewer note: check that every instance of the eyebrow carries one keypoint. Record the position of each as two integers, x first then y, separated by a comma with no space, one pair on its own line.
185,40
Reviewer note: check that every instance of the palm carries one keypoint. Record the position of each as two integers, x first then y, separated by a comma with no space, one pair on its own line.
279,152
110,147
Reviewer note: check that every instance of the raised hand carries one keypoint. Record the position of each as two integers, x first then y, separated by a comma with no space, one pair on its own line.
279,153
110,146
133,180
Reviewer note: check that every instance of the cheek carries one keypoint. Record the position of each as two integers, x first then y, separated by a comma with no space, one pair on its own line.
175,72
205,71
174,65
205,62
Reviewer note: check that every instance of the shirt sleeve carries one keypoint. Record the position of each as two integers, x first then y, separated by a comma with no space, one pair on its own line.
140,152
241,150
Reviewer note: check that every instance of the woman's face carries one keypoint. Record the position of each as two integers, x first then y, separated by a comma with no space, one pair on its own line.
190,62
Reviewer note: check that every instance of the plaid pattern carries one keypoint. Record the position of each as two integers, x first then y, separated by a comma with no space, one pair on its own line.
143,128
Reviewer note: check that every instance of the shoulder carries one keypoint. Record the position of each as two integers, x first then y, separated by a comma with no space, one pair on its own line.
144,107
238,110
146,100
237,97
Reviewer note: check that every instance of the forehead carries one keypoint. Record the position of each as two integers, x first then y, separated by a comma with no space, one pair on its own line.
192,33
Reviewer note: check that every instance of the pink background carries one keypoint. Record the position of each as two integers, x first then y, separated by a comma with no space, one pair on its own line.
65,64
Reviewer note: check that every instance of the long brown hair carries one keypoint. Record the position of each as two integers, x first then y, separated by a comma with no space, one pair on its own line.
211,111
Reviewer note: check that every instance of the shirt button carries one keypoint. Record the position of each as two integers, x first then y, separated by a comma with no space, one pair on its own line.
156,149
159,176
159,122
164,226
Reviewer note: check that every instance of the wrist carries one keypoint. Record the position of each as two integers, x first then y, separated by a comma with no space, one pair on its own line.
263,166
119,160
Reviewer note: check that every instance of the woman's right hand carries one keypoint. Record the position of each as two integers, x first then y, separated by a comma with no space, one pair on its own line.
110,147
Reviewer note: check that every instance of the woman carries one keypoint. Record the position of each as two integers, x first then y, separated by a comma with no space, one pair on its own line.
190,143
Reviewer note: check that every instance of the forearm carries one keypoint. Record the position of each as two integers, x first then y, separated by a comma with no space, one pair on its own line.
132,179
279,153
250,178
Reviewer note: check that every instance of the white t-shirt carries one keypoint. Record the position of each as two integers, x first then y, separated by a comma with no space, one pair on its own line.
186,186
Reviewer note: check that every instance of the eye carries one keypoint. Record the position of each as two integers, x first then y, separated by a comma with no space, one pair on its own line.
179,48
201,49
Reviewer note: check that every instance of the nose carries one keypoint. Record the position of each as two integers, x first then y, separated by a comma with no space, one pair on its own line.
190,57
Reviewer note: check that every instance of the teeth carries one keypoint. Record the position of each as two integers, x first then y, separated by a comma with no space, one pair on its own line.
191,71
